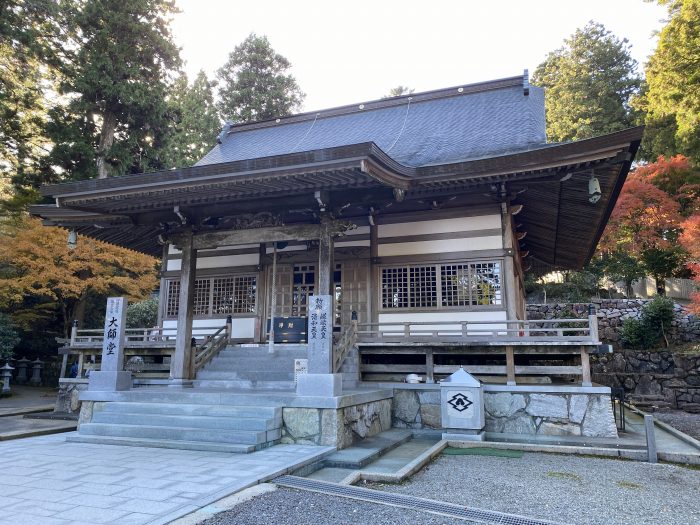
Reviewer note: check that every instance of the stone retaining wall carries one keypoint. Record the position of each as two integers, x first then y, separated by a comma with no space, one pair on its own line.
337,427
673,376
613,312
67,400
552,414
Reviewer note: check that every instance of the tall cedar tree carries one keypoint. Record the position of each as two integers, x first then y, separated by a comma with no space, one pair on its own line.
117,114
672,96
36,264
588,83
32,36
196,122
254,83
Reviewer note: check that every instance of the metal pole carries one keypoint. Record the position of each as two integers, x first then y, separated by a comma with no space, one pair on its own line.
273,302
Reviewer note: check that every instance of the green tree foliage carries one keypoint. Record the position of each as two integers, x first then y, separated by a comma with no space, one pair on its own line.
117,115
652,326
196,121
588,83
254,84
671,98
31,53
8,337
143,314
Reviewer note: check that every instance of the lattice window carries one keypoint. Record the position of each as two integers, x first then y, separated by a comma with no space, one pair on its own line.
486,278
394,287
423,287
455,285
172,302
202,292
216,296
244,291
442,286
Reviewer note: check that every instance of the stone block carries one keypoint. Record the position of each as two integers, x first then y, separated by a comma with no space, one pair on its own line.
301,423
429,397
86,410
430,416
577,408
320,385
110,380
503,404
519,425
549,428
405,405
599,420
547,405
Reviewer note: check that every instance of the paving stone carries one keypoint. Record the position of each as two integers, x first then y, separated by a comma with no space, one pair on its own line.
147,507
91,514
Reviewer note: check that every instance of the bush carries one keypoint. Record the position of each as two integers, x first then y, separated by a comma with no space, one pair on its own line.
9,337
143,314
654,323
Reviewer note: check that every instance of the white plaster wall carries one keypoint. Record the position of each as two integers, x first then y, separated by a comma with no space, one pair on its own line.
224,261
471,317
242,327
458,224
491,242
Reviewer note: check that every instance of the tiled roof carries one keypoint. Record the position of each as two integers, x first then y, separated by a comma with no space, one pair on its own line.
437,127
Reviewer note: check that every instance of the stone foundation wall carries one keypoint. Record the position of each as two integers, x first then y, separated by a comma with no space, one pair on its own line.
612,313
673,376
552,414
67,400
338,427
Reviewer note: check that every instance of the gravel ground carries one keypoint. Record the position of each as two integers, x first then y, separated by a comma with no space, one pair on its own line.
294,507
568,489
683,421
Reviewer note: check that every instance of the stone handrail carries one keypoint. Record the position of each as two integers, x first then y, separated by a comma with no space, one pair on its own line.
347,341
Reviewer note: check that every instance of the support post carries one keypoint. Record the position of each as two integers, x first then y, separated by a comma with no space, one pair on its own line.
324,286
510,366
273,302
510,288
229,329
593,323
180,366
429,367
585,368
81,365
651,438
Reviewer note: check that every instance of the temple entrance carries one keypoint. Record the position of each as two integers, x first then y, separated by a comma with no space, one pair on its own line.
297,282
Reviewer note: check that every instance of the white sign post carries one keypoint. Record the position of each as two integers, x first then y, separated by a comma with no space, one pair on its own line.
462,407
111,376
320,379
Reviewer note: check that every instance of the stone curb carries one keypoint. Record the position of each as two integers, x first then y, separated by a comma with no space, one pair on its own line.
690,440
19,434
407,470
225,504
27,410
638,454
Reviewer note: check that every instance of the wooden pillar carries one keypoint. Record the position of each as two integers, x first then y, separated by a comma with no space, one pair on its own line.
585,368
429,367
273,302
324,282
180,366
510,366
373,314
509,285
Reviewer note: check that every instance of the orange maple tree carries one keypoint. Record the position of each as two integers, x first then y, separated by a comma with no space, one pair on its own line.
690,239
35,261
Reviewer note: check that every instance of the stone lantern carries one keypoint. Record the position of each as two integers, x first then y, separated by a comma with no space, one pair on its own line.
36,372
22,365
6,374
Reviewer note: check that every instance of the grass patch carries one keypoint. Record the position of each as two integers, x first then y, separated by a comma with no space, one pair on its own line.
482,451
563,475
627,485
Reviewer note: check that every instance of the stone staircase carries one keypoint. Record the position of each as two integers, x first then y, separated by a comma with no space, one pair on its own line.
252,367
184,421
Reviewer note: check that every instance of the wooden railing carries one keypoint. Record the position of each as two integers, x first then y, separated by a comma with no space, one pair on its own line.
211,347
516,331
347,341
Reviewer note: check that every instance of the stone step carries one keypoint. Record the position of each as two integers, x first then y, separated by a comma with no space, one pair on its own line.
204,396
246,437
185,409
207,446
247,375
368,450
161,420
244,384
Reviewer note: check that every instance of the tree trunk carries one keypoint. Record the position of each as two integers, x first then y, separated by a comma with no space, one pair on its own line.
109,126
660,285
